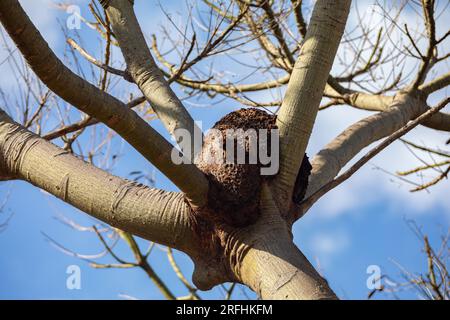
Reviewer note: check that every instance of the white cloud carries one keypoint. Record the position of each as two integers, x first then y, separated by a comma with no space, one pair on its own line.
329,244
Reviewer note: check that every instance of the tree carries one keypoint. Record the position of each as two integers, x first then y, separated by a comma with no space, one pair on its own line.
259,253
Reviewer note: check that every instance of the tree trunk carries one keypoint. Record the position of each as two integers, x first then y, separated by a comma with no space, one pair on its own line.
274,267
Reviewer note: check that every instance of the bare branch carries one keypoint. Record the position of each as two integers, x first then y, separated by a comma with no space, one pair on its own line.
307,203
301,24
434,181
301,102
436,84
330,160
147,75
99,64
153,214
142,262
428,58
97,103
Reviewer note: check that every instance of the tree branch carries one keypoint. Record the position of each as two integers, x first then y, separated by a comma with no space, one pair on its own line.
300,20
146,74
436,84
308,202
329,161
276,30
304,92
274,267
96,103
84,123
153,214
380,102
429,58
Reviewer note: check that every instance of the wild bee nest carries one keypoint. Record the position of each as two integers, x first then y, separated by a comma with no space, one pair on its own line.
235,186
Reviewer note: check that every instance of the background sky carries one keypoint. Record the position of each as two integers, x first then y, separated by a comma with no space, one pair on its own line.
366,221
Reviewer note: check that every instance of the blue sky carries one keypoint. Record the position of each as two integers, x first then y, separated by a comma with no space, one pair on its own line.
363,222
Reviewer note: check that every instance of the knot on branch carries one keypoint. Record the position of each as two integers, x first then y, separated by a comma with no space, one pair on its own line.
218,251
210,273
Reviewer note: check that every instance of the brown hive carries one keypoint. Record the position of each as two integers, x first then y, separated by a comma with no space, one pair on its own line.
235,188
